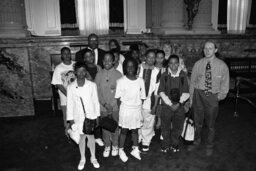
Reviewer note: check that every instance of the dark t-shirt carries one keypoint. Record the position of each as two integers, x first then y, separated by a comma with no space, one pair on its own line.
169,83
92,71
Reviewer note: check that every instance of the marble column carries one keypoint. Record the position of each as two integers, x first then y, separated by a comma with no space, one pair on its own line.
12,18
172,21
203,20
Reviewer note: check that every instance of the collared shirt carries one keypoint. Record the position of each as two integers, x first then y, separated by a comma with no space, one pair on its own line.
169,81
219,74
177,74
89,95
95,51
120,68
106,85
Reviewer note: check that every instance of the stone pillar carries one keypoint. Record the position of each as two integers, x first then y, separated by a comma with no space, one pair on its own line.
12,18
173,17
134,16
203,20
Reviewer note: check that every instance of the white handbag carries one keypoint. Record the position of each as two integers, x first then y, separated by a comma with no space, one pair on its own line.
188,133
74,133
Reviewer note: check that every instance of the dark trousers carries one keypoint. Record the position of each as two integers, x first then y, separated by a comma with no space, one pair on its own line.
205,109
171,121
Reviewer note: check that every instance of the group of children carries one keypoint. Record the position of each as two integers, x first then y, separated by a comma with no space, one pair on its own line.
134,95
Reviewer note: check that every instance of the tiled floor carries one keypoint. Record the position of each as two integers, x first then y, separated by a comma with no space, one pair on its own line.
39,144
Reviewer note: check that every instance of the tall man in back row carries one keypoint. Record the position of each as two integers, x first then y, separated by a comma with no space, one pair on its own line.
93,45
209,85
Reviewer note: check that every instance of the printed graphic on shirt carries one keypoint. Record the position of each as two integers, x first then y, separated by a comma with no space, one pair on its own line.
67,77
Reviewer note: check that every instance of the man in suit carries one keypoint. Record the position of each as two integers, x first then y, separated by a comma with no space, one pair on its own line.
93,43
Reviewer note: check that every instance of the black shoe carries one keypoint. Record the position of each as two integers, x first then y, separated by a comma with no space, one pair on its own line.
145,148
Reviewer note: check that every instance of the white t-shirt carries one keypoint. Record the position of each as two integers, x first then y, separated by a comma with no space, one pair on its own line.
64,75
121,58
130,92
152,87
120,68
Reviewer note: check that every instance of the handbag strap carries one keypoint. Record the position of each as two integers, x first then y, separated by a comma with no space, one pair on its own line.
83,105
190,112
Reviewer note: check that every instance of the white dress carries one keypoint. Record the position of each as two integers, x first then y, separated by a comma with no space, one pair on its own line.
131,93
88,93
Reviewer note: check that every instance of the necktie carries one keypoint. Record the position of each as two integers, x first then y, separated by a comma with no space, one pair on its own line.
208,79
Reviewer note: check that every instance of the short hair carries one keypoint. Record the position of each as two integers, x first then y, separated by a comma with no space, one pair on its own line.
150,51
160,51
115,42
111,54
173,57
92,35
217,54
78,65
64,48
211,41
86,51
135,63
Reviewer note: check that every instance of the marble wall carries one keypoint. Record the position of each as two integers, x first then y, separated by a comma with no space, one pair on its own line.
25,63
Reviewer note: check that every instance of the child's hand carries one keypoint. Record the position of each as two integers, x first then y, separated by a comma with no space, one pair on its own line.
186,106
174,107
67,126
158,123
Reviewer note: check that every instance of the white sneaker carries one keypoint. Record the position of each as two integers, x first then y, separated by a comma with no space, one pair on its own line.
95,163
106,152
81,165
122,155
114,151
136,153
99,142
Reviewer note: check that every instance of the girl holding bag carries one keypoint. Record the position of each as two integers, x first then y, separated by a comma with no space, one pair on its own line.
82,102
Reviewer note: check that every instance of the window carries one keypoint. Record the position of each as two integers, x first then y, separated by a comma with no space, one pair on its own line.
69,24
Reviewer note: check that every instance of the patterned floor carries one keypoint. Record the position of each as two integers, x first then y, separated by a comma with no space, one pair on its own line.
39,144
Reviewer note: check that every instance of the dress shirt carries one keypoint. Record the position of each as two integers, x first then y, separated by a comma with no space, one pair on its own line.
219,74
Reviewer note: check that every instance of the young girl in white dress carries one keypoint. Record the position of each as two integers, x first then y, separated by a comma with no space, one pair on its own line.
83,90
131,91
